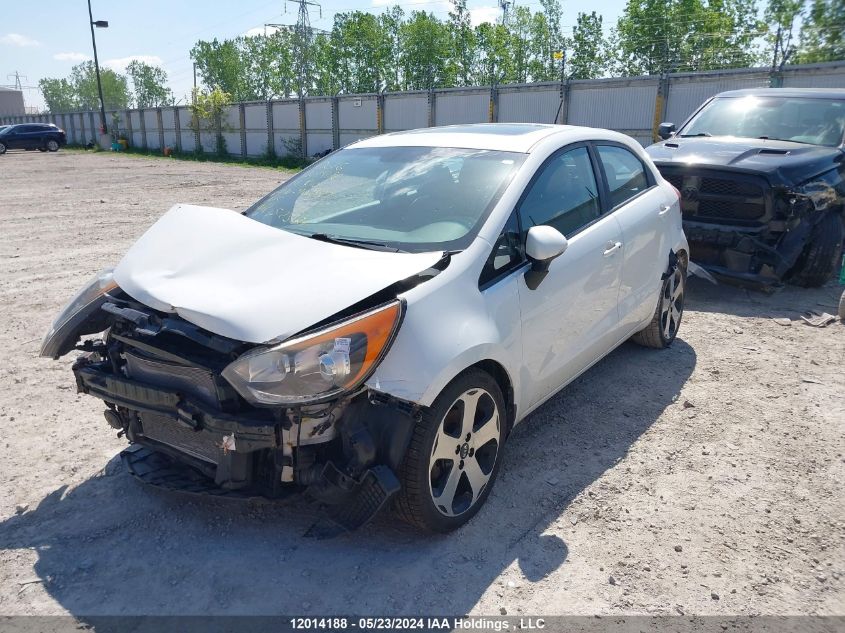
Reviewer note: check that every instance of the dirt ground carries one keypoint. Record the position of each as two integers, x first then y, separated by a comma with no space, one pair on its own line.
705,479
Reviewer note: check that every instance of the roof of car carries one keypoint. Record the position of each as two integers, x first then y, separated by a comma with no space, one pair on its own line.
813,93
510,137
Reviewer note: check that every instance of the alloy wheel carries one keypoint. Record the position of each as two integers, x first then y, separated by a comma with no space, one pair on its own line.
672,304
52,146
464,453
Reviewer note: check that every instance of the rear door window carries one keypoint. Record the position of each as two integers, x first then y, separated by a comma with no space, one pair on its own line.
626,175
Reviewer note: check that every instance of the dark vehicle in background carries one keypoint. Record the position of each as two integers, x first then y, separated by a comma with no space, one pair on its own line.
762,180
45,137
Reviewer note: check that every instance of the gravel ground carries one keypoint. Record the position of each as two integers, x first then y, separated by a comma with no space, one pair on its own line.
705,479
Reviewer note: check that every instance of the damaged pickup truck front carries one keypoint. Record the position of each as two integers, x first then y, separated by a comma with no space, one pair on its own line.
761,175
371,330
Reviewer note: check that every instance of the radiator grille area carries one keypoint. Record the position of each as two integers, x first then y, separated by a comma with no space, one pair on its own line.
192,381
730,197
166,430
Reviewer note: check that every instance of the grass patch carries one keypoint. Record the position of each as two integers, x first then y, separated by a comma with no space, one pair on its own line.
285,163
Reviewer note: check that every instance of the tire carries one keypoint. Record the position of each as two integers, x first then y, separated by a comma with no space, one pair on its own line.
52,145
444,487
664,325
42,149
821,255
2,148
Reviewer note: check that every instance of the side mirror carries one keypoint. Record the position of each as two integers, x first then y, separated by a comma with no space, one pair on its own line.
542,244
665,130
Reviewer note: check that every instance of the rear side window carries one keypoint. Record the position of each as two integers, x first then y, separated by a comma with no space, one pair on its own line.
626,176
564,194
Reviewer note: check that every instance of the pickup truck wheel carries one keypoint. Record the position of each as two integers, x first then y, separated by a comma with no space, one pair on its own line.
454,455
667,317
821,255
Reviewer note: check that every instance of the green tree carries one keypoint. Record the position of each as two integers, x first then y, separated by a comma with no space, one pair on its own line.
463,43
823,32
391,21
360,48
208,110
148,83
116,93
425,53
219,64
588,58
59,95
494,62
782,16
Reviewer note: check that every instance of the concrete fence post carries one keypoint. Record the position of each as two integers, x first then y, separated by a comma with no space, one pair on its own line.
335,103
303,132
144,144
660,101
380,113
432,106
130,137
271,140
563,108
160,123
242,125
177,126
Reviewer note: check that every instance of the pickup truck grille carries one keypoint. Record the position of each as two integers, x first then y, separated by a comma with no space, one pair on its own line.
733,198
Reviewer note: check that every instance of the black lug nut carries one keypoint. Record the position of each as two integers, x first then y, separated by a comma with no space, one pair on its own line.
471,452
461,465
469,435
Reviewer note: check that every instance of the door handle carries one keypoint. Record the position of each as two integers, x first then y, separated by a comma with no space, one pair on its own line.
664,209
611,248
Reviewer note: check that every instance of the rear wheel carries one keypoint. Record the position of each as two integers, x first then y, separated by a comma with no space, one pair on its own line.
454,454
52,145
667,317
821,255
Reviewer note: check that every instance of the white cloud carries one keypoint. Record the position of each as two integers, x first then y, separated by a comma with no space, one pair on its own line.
16,39
480,15
71,57
260,30
119,64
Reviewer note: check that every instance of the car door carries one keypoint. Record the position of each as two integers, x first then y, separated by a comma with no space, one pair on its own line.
569,318
642,209
13,138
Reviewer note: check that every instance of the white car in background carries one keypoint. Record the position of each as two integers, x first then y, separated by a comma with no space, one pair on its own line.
373,329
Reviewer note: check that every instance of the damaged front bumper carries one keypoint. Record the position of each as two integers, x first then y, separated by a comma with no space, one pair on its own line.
346,458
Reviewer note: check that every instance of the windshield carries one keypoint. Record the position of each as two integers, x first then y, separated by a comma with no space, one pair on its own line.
803,120
408,198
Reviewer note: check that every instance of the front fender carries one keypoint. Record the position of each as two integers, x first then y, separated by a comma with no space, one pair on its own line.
450,325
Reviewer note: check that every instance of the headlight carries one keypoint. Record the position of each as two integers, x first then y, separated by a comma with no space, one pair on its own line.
317,366
72,320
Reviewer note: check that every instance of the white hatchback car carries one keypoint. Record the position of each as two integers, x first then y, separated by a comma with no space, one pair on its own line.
374,328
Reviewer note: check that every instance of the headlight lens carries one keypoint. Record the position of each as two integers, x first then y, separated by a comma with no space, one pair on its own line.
71,322
317,366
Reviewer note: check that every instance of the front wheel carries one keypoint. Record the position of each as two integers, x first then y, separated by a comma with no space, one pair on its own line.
52,146
2,148
454,454
663,328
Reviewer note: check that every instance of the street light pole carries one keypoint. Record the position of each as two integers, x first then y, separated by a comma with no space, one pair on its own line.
98,24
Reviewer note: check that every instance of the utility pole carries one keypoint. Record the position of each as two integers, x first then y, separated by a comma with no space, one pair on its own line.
100,24
505,6
302,37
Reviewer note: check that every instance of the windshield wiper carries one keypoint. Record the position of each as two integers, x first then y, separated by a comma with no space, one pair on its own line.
697,134
354,242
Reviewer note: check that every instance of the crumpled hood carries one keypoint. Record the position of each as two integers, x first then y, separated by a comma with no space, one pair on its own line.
783,162
248,281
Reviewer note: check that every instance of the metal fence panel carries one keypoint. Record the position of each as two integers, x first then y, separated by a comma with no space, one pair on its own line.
821,77
186,134
617,105
463,107
137,138
285,126
688,91
318,115
405,112
168,123
526,105
357,113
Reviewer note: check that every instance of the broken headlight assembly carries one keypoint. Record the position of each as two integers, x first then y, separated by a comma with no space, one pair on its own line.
317,366
80,316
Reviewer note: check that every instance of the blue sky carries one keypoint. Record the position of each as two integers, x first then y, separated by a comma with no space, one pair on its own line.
47,40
